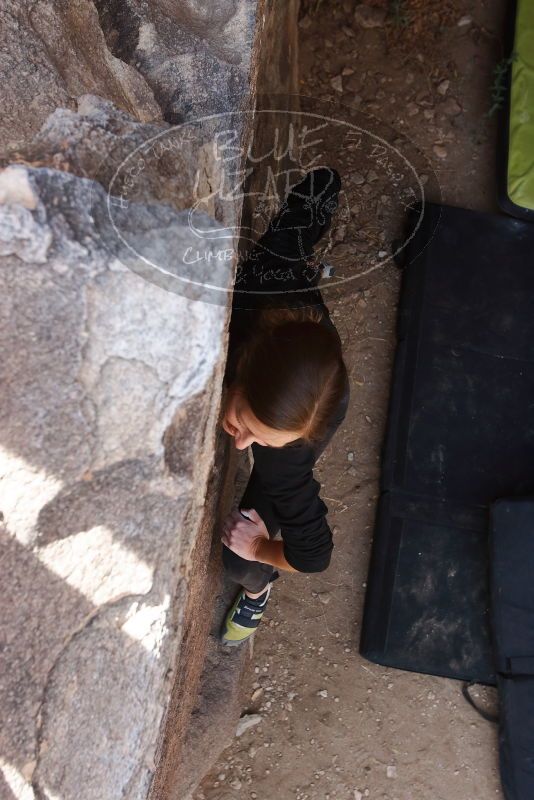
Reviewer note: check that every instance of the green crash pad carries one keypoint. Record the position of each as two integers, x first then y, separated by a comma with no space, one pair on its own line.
520,176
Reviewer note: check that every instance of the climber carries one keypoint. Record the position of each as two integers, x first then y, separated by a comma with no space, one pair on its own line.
287,392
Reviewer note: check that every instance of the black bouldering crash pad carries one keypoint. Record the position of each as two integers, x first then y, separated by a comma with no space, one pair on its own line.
512,598
460,435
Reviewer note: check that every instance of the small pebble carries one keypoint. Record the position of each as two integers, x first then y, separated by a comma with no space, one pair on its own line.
246,722
337,83
451,107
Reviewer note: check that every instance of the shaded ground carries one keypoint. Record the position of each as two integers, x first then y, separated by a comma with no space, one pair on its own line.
335,727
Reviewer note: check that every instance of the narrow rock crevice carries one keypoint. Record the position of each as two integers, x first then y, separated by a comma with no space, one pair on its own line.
120,25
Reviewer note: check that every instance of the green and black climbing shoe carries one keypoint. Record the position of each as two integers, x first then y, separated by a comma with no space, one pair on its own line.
244,617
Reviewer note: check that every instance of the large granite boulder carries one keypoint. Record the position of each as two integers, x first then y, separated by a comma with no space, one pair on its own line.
115,296
107,443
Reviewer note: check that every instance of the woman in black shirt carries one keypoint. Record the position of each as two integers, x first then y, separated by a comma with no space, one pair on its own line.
288,392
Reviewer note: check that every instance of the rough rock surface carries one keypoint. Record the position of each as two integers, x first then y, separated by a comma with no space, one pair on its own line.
95,140
99,524
58,51
112,474
178,60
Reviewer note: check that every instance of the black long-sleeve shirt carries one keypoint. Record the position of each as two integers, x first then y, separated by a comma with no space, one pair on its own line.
285,474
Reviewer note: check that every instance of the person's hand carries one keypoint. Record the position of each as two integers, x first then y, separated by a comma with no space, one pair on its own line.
242,535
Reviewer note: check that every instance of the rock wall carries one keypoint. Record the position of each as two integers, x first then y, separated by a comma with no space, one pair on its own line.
113,470
98,517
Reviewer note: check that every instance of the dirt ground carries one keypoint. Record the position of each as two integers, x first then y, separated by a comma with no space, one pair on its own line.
333,726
